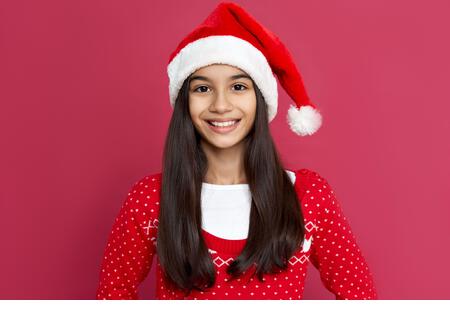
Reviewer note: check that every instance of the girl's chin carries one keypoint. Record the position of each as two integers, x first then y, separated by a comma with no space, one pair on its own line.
221,142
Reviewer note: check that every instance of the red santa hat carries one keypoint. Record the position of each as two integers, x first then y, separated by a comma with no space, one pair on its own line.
230,35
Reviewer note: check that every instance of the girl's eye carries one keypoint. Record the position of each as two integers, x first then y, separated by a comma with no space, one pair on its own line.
196,90
240,85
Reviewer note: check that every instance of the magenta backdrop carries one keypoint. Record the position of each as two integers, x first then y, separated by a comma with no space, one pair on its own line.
85,108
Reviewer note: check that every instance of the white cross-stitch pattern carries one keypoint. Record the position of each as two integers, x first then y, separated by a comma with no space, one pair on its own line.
152,223
219,262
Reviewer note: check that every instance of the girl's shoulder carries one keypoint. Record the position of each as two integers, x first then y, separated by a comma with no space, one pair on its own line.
306,174
144,195
301,176
148,181
309,181
305,180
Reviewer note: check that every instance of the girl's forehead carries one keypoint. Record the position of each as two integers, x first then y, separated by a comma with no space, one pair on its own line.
219,67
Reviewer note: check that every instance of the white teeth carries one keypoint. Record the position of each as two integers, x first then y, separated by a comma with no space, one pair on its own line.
223,124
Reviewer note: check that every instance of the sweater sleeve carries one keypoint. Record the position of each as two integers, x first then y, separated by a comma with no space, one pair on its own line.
335,252
131,244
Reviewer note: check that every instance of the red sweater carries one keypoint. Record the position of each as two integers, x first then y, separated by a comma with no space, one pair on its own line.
329,244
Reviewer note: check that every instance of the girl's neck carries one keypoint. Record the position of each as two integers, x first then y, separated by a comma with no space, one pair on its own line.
225,166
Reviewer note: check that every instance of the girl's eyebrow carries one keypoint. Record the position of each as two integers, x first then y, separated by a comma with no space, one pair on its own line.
234,77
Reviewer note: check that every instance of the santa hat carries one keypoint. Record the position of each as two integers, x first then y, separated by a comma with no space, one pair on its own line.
230,35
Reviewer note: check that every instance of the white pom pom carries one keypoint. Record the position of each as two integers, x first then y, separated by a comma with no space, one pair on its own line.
304,121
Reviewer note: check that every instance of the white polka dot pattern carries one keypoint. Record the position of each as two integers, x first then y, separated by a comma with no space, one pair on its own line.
335,252
329,244
131,244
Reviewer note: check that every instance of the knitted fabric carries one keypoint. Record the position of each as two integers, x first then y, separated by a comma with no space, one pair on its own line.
329,245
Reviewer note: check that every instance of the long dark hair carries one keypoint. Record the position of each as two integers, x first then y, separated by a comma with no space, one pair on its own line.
276,227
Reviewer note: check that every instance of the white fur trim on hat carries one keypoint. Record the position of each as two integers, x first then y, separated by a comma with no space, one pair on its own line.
224,50
304,120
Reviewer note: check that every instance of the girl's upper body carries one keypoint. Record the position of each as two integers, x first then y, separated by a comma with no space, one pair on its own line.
329,245
223,210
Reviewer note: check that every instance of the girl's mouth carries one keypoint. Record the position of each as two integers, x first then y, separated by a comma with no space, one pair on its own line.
223,127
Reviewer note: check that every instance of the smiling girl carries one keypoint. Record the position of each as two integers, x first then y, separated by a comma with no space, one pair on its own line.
222,106
225,219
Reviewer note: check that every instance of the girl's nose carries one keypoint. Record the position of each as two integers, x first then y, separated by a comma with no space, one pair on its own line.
221,102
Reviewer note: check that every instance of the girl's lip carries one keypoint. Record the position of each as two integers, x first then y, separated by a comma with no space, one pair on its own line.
223,120
223,129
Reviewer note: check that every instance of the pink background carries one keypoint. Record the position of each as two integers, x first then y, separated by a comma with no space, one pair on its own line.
85,109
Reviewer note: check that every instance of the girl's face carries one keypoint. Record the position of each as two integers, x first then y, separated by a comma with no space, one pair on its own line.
222,92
